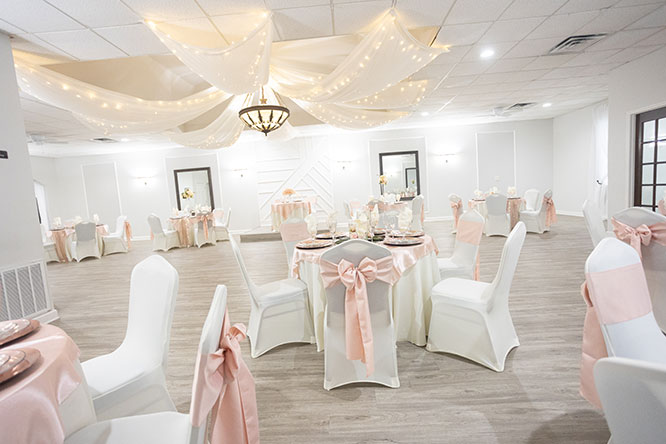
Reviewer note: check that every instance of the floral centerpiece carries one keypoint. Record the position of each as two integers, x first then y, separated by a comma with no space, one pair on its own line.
478,194
383,180
511,191
187,194
493,190
288,193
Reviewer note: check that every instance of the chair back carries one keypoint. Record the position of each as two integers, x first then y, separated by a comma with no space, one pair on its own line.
531,197
510,253
468,238
417,210
633,395
496,204
153,290
209,343
594,222
653,257
218,215
548,194
292,232
252,288
120,226
620,296
85,231
155,225
228,220
454,198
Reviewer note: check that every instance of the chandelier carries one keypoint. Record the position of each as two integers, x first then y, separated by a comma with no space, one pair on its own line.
264,117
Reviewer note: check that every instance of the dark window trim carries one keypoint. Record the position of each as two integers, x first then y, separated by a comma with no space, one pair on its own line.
641,118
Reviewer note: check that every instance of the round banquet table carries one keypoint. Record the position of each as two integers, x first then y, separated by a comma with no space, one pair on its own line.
513,207
281,211
50,400
184,225
410,295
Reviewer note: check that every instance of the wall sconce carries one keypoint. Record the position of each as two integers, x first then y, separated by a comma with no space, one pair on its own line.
145,180
344,163
446,158
240,171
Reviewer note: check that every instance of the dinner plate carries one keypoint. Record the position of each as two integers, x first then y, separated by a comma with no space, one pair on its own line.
17,328
14,362
328,235
403,241
312,244
412,233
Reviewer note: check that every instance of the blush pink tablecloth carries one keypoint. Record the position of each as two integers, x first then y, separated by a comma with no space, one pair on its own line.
417,270
281,211
30,403
59,237
184,225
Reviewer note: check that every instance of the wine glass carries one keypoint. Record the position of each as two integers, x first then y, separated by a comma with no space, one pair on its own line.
332,227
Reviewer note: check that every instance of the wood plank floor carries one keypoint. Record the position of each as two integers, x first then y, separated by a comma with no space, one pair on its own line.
442,398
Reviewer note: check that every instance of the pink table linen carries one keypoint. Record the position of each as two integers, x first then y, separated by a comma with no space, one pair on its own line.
358,327
59,237
410,292
281,211
181,225
227,389
29,403
514,205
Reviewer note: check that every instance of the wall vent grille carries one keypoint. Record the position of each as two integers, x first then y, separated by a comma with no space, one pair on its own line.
23,292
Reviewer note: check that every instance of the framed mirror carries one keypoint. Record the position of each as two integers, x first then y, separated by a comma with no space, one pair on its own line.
193,187
401,169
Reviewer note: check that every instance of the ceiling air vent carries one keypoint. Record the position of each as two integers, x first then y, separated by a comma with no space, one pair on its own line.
575,43
104,140
520,106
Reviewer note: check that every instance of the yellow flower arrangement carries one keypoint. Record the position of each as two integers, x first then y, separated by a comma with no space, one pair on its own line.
288,192
187,194
383,180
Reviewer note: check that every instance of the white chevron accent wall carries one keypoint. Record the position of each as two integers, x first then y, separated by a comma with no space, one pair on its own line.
302,164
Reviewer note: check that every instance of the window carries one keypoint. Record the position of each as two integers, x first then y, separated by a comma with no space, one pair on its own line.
650,165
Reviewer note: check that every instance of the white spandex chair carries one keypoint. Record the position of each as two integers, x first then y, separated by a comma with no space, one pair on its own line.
637,338
200,234
595,223
338,370
633,395
163,240
535,220
131,379
457,211
49,247
498,221
292,231
86,244
116,242
221,224
279,312
471,318
417,208
463,261
165,427
654,259
531,198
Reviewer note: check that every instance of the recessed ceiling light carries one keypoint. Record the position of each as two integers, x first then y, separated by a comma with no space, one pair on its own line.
547,105
425,113
487,53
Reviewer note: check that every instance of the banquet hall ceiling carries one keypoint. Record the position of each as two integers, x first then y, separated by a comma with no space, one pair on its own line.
106,41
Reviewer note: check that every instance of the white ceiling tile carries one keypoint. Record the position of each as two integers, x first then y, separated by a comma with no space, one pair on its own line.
9,28
351,18
602,68
454,54
32,43
470,68
302,23
83,44
466,34
655,18
162,10
561,73
550,61
456,82
510,30
586,5
562,25
471,11
236,26
622,39
629,54
532,8
36,16
624,3
415,13
97,13
655,39
135,40
500,49
529,75
614,19
590,58
220,7
510,65
533,47
281,4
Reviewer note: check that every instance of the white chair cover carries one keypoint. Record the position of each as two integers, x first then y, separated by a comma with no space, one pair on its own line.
498,221
200,238
535,220
279,312
162,240
338,370
417,212
86,244
116,242
463,262
472,319
50,254
531,198
292,231
132,379
222,224
594,222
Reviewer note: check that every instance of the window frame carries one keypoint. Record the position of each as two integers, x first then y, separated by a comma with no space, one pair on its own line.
653,115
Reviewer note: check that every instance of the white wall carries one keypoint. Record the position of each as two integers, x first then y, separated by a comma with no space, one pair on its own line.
20,237
634,88
336,167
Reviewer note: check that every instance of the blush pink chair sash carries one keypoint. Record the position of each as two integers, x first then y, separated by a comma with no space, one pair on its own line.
29,404
228,390
593,349
203,218
294,232
128,234
641,234
551,214
456,207
181,226
471,232
661,206
358,329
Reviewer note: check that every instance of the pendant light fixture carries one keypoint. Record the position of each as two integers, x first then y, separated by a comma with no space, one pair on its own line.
263,117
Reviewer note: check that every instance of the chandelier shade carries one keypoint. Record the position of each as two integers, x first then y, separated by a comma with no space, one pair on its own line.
264,117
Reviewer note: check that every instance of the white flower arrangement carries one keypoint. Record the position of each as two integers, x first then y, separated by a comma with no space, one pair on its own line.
511,191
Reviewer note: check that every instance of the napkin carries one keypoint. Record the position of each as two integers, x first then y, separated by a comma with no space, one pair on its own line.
311,222
405,219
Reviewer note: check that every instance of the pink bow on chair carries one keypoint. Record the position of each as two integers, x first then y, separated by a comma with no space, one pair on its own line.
358,329
641,234
456,207
551,214
228,390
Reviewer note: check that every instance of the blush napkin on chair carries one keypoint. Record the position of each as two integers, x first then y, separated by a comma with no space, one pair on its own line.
358,328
